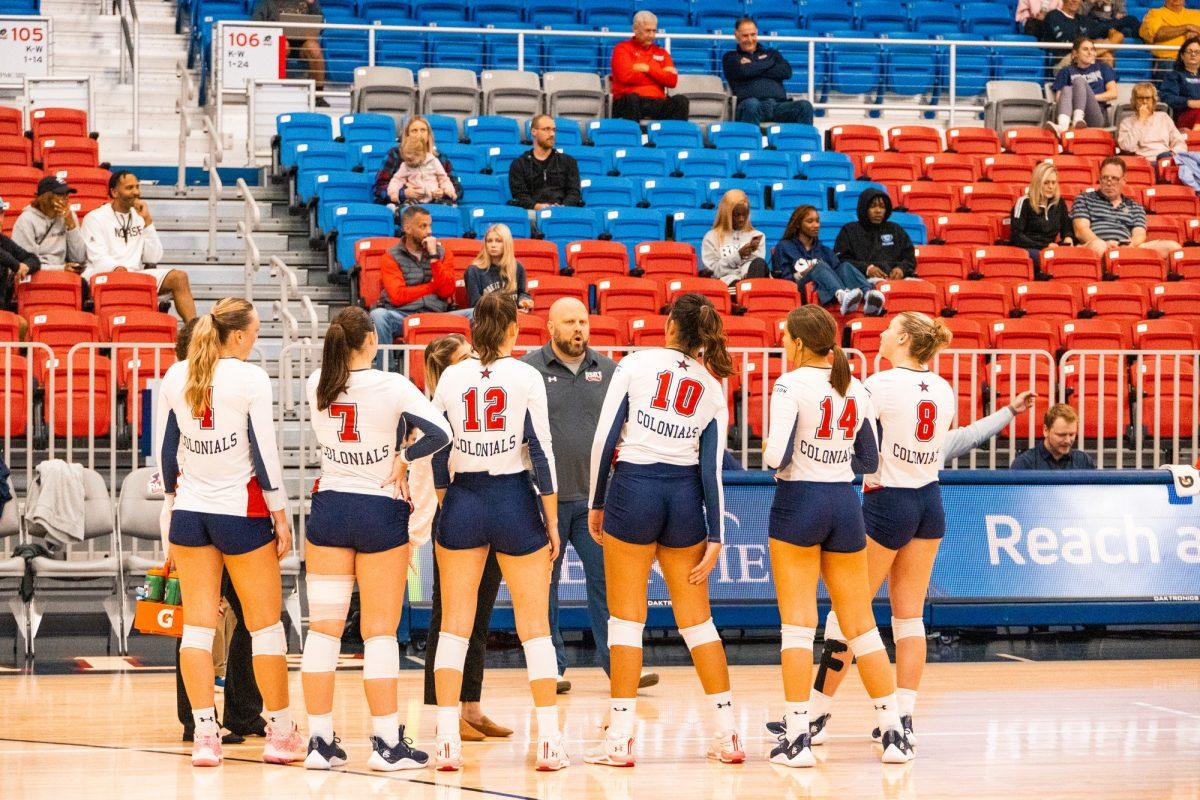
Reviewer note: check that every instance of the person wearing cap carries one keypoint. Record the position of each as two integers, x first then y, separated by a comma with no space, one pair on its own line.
49,229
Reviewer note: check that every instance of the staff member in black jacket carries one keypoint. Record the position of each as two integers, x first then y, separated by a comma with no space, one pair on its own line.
543,176
1041,218
878,247
756,75
15,263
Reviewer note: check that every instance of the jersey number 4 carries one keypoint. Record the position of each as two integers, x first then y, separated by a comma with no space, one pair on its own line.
349,414
847,422
687,394
926,419
206,419
495,401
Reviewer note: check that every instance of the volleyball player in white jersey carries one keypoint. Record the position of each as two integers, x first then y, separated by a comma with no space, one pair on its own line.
902,506
226,505
496,406
820,432
358,528
666,412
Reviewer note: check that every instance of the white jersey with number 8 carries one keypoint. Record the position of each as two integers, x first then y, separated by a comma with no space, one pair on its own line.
915,409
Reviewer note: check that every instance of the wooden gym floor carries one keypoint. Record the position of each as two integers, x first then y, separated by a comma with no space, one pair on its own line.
1081,729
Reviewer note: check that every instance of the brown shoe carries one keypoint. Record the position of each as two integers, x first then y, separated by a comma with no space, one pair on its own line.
469,732
490,729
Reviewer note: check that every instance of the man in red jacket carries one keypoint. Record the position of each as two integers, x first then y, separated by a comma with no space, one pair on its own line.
417,276
641,72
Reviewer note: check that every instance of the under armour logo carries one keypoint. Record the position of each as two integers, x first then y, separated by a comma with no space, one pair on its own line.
619,709
725,705
551,379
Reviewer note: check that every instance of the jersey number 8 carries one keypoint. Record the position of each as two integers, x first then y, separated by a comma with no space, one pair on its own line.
687,394
495,401
926,419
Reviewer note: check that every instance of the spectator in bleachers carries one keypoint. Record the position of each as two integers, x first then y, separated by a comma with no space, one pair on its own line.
756,75
1056,450
1041,218
1031,15
15,264
733,249
1113,13
1070,24
544,176
420,178
878,247
120,235
641,73
1180,88
496,269
1083,90
801,257
1169,25
1106,219
307,49
1148,132
417,126
49,229
416,276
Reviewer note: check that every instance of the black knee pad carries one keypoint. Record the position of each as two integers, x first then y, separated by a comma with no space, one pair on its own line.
832,648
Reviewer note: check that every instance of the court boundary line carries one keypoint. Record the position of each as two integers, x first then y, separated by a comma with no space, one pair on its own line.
237,759
1168,710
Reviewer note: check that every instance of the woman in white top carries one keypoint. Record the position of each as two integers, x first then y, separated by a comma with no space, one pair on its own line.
733,249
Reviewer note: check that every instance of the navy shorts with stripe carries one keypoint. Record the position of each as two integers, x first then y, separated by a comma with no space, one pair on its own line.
810,513
895,517
366,523
500,511
655,504
230,534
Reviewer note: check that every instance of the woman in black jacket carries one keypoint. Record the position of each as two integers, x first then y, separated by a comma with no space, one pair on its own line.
15,263
1041,218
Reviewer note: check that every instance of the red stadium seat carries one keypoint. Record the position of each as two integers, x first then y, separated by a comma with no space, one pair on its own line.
984,301
987,198
1054,302
15,151
61,329
648,330
10,328
969,334
16,382
1075,266
136,368
537,256
140,327
855,139
926,197
531,330
1139,173
974,141
124,291
952,168
1029,141
12,122
1167,172
864,337
1176,299
1119,301
1161,382
1009,168
1098,388
1167,227
965,372
18,186
592,259
1092,334
939,262
1002,263
768,297
747,332
912,295
49,289
1184,264
421,329
545,289
666,260
368,255
1009,375
91,183
81,396
1193,139
891,167
966,230
914,139
461,252
1024,334
606,332
1164,334
1092,142
1135,264
1076,170
1171,200
712,288
65,152
626,297
52,121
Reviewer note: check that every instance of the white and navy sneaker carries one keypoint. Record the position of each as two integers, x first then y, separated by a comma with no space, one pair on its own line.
896,749
794,754
907,724
849,300
401,755
552,754
874,302
323,754
614,752
727,748
816,729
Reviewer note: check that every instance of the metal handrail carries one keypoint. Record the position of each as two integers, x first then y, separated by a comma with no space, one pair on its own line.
289,284
251,218
131,36
183,104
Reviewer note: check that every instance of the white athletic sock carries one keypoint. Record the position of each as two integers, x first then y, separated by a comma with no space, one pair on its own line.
1064,121
280,720
321,725
795,719
622,716
447,722
1077,115
386,728
205,721
818,704
906,699
886,712
722,705
547,721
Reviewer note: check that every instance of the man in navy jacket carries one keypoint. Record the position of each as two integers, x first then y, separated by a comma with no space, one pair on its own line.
756,75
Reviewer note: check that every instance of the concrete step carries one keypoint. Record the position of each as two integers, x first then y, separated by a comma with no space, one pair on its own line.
195,240
297,259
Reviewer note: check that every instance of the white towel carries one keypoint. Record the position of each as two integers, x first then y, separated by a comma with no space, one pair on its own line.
59,507
1187,479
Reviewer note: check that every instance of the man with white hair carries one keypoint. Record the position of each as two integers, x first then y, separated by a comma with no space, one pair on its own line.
642,72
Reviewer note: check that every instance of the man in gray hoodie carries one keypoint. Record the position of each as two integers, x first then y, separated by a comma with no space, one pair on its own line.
49,229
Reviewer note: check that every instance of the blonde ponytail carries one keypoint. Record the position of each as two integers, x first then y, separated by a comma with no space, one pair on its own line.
204,350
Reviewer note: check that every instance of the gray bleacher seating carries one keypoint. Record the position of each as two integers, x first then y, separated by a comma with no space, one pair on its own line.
710,99
12,568
1122,108
453,92
574,95
1013,103
511,93
384,90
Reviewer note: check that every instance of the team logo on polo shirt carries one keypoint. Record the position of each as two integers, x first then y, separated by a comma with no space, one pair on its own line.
593,375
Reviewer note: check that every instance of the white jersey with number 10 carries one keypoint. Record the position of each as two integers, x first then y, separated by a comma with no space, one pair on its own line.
916,409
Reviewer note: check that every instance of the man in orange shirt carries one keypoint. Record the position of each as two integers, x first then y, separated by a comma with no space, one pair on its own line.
641,72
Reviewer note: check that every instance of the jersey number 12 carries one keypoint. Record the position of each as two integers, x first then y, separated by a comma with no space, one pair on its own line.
495,402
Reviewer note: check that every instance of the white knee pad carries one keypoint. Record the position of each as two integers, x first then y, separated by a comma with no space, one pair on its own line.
381,658
833,630
451,652
867,643
269,641
625,633
907,628
320,652
328,597
540,660
697,635
197,638
797,637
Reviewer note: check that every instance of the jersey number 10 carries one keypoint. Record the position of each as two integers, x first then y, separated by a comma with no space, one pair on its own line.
495,402
687,394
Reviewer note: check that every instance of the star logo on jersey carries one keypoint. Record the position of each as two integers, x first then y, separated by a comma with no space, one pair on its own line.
682,364
485,373
924,386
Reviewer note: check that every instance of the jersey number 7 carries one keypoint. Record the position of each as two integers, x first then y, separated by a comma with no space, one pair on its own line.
847,422
349,414
495,402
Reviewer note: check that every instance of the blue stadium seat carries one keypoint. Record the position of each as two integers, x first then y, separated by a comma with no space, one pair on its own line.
630,226
771,224
671,13
734,136
854,69
370,157
912,70
691,56
832,223
480,218
445,11
334,189
614,14
797,55
754,191
354,221
491,130
678,134
845,195
718,15
355,128
500,156
881,17
594,162
447,221
826,166
607,191
701,163
614,133
293,129
790,194
343,51
576,53
1028,63
335,10
466,159
913,225
457,51
492,11
568,132
640,162
551,12
987,19
323,157
973,67
382,10
400,49
690,225
484,189
931,18
795,137
502,51
562,224
444,127
765,165
828,17
671,193
780,15
1135,65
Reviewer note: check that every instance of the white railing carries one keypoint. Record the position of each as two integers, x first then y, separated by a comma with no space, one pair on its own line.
205,123
251,217
131,60
289,285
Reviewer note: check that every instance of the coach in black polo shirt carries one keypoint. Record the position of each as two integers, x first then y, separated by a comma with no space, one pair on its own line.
1056,450
577,378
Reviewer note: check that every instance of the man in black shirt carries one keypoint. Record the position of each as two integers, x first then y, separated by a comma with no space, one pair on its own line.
1057,448
543,176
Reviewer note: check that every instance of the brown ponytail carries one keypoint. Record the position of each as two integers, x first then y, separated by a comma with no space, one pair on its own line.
204,349
437,357
495,313
815,329
700,333
347,333
927,336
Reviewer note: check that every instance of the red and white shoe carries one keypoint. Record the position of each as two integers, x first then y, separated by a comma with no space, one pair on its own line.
552,754
615,752
447,755
206,750
727,748
284,746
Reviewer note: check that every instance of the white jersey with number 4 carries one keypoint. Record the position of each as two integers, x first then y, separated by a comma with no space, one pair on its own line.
812,431
363,429
916,409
